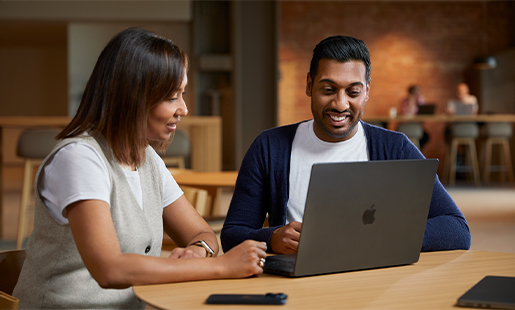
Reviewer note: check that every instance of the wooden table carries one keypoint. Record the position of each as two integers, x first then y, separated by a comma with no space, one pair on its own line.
435,282
213,182
205,135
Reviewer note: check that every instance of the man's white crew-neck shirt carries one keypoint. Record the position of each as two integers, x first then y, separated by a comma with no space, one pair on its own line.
308,149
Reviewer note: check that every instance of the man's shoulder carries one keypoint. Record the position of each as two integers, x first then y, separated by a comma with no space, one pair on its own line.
280,132
373,131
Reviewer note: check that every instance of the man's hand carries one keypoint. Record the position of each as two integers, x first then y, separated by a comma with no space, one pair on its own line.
285,240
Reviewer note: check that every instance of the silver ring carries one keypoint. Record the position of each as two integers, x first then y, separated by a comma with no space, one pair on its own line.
261,263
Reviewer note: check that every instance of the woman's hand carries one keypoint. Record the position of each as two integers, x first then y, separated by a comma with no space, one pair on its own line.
191,251
243,260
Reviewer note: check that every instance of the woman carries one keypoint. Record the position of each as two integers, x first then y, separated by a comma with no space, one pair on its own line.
104,196
409,105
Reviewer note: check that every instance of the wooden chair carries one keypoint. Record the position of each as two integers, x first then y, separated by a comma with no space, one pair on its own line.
177,151
413,131
462,134
498,134
201,201
11,263
33,146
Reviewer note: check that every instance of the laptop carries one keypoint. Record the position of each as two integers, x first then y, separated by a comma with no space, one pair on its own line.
461,108
490,292
426,109
361,215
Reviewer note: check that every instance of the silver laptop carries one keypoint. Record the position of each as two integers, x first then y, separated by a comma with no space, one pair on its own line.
361,215
461,108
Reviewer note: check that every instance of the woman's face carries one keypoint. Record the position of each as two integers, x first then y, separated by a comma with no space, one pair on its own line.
165,115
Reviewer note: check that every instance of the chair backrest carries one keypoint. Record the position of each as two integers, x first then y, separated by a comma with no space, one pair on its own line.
11,263
180,145
178,152
199,198
36,143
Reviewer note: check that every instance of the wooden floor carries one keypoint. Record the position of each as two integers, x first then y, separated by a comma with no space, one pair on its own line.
490,212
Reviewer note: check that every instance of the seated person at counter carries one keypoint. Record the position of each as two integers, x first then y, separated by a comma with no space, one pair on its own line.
409,105
464,104
463,97
104,196
274,174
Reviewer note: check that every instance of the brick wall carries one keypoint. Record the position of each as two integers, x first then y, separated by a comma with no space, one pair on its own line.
429,43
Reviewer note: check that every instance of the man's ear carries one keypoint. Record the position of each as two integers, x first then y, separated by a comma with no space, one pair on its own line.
368,92
309,85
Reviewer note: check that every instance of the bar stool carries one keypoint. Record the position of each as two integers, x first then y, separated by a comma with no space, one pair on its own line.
177,151
498,134
33,146
413,131
463,134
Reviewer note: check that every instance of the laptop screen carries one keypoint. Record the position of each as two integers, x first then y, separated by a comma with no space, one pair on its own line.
461,108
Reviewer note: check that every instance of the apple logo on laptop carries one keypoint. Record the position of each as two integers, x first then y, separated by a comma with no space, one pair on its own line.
368,215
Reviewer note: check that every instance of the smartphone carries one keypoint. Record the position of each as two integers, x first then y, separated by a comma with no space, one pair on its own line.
247,299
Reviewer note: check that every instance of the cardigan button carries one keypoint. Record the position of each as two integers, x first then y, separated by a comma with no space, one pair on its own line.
147,249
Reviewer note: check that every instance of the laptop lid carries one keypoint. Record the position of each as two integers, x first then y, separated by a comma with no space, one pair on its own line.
461,108
362,215
490,292
426,109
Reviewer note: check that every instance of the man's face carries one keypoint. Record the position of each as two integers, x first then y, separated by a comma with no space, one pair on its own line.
338,96
462,90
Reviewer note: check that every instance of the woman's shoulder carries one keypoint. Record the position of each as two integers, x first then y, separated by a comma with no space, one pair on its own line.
78,153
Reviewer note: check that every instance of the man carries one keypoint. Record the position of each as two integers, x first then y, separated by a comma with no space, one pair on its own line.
275,172
463,98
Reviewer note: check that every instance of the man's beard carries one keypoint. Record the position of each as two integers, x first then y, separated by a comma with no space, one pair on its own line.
331,133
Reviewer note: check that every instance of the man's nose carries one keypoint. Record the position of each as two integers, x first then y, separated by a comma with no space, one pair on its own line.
341,101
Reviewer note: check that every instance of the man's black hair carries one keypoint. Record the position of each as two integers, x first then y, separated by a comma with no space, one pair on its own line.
342,49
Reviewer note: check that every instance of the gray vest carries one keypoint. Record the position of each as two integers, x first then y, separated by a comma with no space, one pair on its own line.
54,276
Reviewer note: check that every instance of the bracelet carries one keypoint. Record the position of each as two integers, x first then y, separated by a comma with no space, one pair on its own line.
203,244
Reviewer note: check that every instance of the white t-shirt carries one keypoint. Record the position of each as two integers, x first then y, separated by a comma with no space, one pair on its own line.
308,149
78,172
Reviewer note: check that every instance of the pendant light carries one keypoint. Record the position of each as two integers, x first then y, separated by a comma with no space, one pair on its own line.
486,61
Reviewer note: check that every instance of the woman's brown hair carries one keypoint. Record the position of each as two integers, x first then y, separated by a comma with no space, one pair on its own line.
135,71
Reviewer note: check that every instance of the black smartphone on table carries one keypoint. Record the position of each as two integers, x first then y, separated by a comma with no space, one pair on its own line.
247,299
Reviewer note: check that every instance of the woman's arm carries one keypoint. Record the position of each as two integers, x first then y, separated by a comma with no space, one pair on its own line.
185,226
95,236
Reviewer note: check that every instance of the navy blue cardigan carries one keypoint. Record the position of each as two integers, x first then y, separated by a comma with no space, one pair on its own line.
262,187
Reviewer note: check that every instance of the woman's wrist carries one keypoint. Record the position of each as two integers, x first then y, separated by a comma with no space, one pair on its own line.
199,251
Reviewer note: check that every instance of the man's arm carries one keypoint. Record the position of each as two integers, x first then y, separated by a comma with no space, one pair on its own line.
261,189
446,227
250,201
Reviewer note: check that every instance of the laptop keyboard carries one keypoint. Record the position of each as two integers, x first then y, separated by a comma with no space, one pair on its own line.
276,263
